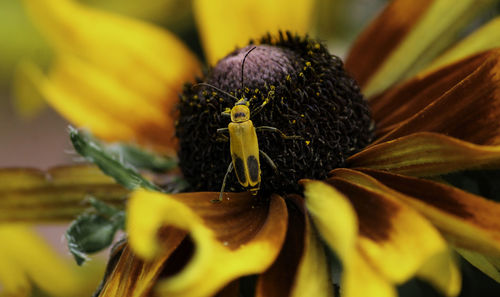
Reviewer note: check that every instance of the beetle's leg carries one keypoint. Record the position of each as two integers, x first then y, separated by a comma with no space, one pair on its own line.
276,130
221,136
270,161
226,113
229,169
259,108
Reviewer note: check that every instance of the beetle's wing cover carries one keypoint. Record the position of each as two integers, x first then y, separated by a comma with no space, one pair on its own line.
245,153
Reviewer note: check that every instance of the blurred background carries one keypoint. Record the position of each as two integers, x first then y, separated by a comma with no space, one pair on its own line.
33,135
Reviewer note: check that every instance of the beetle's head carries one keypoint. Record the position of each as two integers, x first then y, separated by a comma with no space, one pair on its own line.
240,113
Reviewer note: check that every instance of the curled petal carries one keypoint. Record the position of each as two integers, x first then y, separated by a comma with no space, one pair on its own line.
425,154
131,60
405,33
224,25
132,276
240,236
55,195
397,241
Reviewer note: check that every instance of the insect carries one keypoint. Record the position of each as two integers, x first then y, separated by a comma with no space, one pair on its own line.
244,145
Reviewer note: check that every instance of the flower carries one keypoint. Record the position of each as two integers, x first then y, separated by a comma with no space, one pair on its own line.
385,223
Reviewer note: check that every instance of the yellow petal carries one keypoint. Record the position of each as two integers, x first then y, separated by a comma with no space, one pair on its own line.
301,268
360,279
482,262
465,220
336,221
225,24
340,230
482,39
28,102
237,237
90,86
141,59
397,240
29,257
313,273
417,32
55,195
425,154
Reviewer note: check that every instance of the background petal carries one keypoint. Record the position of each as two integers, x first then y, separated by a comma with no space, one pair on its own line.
225,24
482,39
405,33
145,61
27,259
489,266
55,195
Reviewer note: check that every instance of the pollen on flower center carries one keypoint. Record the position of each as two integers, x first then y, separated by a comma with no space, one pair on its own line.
306,94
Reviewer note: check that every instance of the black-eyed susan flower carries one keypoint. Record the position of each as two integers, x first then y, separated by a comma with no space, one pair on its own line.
361,163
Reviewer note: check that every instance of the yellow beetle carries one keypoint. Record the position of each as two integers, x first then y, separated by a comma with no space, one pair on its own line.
244,145
244,148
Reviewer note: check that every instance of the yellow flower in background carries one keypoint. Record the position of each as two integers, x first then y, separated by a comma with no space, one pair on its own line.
120,78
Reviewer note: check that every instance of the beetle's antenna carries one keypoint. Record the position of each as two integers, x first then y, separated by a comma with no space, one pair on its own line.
214,87
243,66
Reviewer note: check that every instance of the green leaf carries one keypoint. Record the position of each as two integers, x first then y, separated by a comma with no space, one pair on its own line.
89,233
121,171
142,159
93,232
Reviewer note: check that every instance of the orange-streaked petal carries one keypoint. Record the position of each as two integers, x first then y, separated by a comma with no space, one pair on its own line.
405,34
145,61
132,276
398,241
468,111
466,220
482,39
336,221
55,195
240,236
425,154
25,258
225,25
405,100
487,265
367,54
301,268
